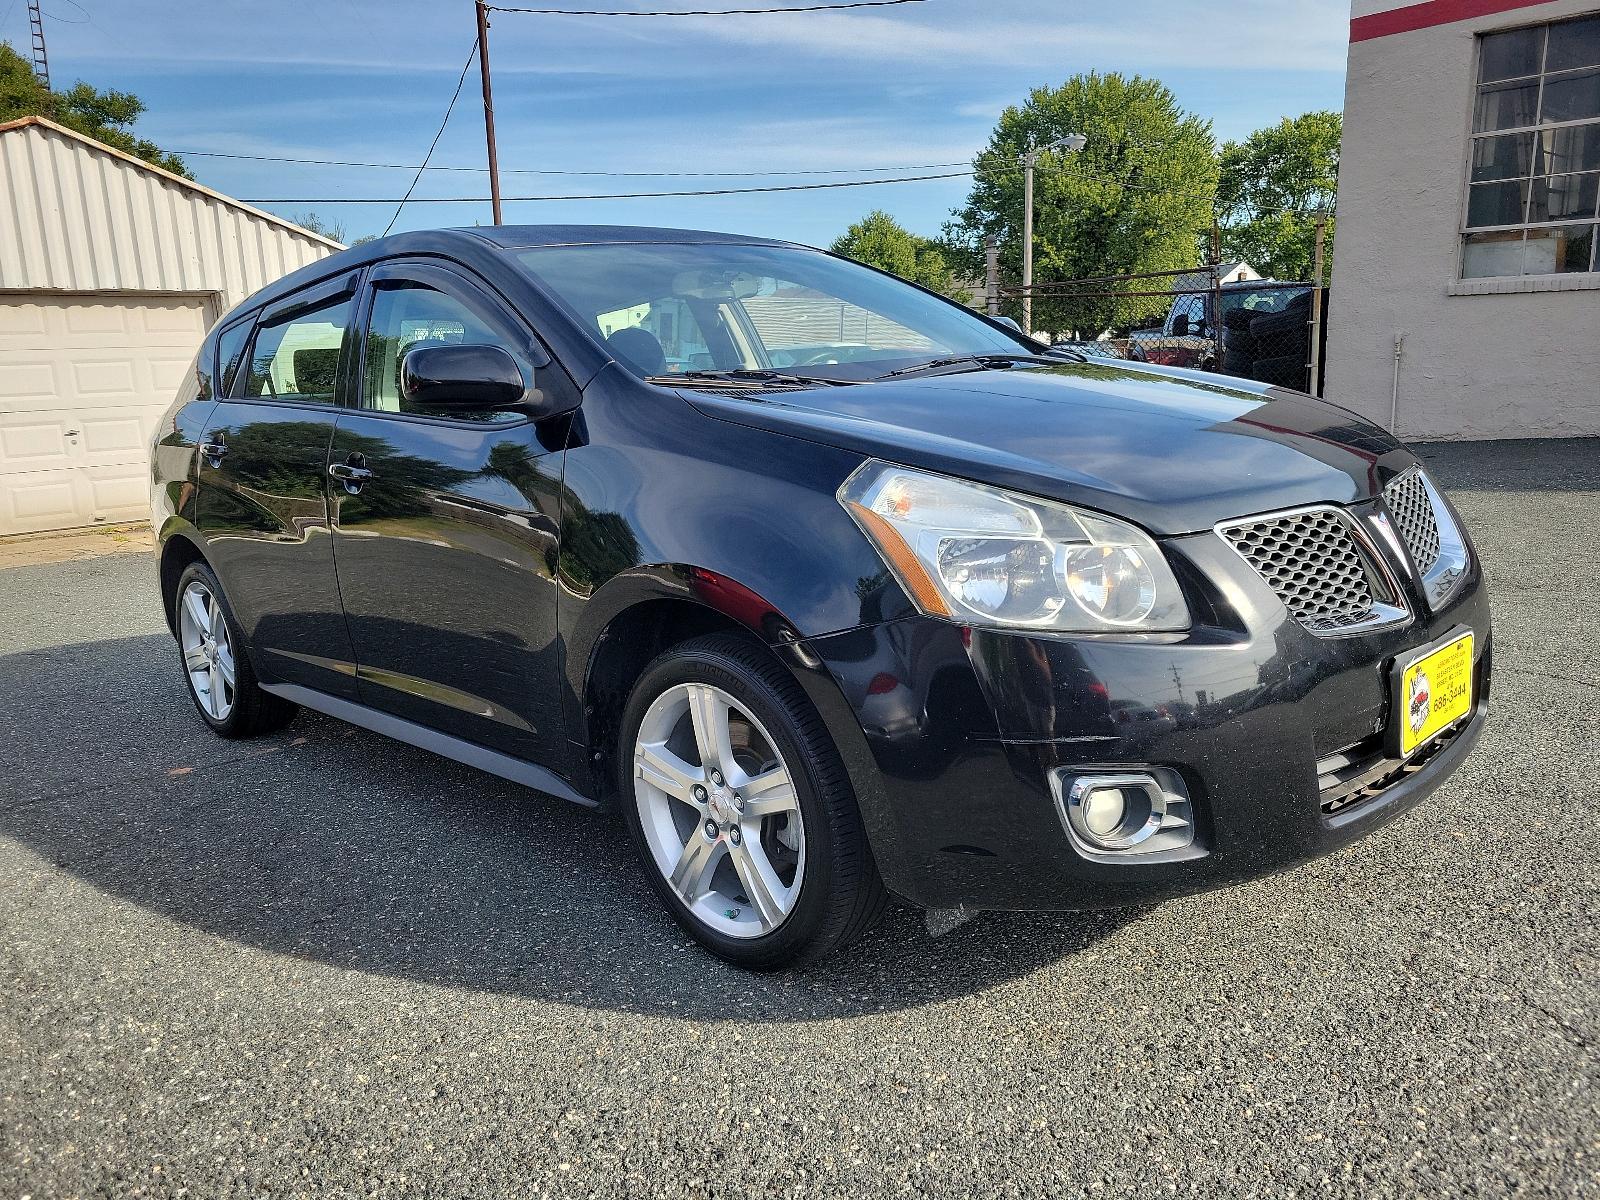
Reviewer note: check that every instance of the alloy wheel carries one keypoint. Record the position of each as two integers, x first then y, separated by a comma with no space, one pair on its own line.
719,810
207,650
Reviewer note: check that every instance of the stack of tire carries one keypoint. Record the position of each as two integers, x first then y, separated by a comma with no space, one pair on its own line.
1270,347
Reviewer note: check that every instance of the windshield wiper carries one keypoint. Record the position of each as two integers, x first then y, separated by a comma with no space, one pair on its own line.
978,362
745,375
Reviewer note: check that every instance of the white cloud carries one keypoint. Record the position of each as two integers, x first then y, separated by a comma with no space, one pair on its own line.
1281,34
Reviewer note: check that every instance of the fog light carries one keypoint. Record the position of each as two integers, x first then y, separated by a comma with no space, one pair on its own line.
1103,810
1133,812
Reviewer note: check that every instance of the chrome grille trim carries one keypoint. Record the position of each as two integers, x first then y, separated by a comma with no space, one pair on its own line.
1437,547
1322,565
1412,509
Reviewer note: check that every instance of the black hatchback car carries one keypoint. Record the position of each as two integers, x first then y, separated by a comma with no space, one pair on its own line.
833,587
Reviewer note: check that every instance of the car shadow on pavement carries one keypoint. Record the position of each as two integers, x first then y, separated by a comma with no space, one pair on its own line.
344,848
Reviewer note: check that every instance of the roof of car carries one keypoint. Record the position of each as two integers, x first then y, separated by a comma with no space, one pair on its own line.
480,238
526,236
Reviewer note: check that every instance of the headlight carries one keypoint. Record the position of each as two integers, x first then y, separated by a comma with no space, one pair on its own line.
978,555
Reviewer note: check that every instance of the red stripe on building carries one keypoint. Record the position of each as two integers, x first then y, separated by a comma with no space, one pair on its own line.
1424,16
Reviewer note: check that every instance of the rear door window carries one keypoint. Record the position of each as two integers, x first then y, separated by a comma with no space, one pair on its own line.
299,358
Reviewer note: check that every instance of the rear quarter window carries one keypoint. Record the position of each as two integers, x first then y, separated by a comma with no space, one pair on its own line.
230,352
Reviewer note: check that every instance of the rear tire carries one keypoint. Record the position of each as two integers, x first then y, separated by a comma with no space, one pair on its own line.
755,845
216,665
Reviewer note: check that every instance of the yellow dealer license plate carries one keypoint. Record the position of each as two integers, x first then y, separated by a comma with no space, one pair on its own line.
1435,692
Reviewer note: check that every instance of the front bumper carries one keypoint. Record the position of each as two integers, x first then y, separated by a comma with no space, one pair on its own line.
957,731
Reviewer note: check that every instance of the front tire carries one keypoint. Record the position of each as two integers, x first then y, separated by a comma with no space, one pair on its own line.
740,807
216,667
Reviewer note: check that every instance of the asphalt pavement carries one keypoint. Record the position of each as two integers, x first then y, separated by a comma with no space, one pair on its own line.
327,964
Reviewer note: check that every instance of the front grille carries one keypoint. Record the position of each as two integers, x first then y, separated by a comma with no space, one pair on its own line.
1310,559
1364,771
1412,509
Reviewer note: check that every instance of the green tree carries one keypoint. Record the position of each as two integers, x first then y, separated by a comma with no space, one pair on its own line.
328,229
1136,199
1272,187
104,116
880,241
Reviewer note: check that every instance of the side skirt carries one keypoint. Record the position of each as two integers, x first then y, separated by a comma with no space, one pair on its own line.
541,779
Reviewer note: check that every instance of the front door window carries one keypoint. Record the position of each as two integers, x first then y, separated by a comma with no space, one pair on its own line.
408,315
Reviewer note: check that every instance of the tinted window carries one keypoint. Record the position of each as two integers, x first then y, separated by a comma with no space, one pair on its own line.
297,358
230,351
407,315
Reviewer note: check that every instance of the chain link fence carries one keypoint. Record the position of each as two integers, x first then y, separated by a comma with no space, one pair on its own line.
1208,317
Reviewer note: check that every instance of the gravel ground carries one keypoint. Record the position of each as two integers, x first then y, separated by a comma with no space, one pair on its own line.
327,964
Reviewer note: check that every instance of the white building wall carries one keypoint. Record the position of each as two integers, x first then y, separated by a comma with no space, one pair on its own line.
78,216
1481,358
110,271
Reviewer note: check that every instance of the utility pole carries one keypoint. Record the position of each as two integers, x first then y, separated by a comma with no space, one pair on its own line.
41,60
991,274
1315,366
1072,143
1029,161
1218,333
488,107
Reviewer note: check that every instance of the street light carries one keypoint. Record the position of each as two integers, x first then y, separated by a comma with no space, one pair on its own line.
1070,144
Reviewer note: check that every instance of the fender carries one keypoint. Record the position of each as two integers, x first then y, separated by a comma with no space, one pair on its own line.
677,582
728,600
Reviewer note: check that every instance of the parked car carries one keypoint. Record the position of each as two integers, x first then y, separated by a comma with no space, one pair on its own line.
1265,333
951,620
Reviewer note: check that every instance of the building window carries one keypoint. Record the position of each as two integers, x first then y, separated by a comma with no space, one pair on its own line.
1533,193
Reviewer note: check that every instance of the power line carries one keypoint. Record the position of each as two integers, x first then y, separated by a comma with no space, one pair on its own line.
335,162
702,12
786,187
417,178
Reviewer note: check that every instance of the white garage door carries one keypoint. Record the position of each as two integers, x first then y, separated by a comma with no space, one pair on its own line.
83,381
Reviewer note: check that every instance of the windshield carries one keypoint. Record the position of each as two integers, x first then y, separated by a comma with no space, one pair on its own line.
669,308
1262,300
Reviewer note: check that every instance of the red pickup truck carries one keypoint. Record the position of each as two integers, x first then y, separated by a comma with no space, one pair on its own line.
1266,333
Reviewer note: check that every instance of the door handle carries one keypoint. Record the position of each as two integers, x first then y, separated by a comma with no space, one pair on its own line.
351,473
213,452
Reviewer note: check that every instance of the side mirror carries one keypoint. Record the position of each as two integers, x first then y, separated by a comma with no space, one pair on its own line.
1009,323
1180,325
468,379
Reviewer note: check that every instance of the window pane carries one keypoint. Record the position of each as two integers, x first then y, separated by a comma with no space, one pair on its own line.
297,359
801,326
411,316
1562,197
1559,249
666,324
1505,157
1571,97
1506,106
1515,52
788,306
1574,44
230,350
1497,203
1575,148
1486,255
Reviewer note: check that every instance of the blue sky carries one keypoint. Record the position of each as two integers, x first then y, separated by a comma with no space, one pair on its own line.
922,83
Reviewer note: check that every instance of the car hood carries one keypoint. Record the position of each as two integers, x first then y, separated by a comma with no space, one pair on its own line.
1176,451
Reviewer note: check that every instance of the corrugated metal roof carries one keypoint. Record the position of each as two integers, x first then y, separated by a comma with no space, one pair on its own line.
81,216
